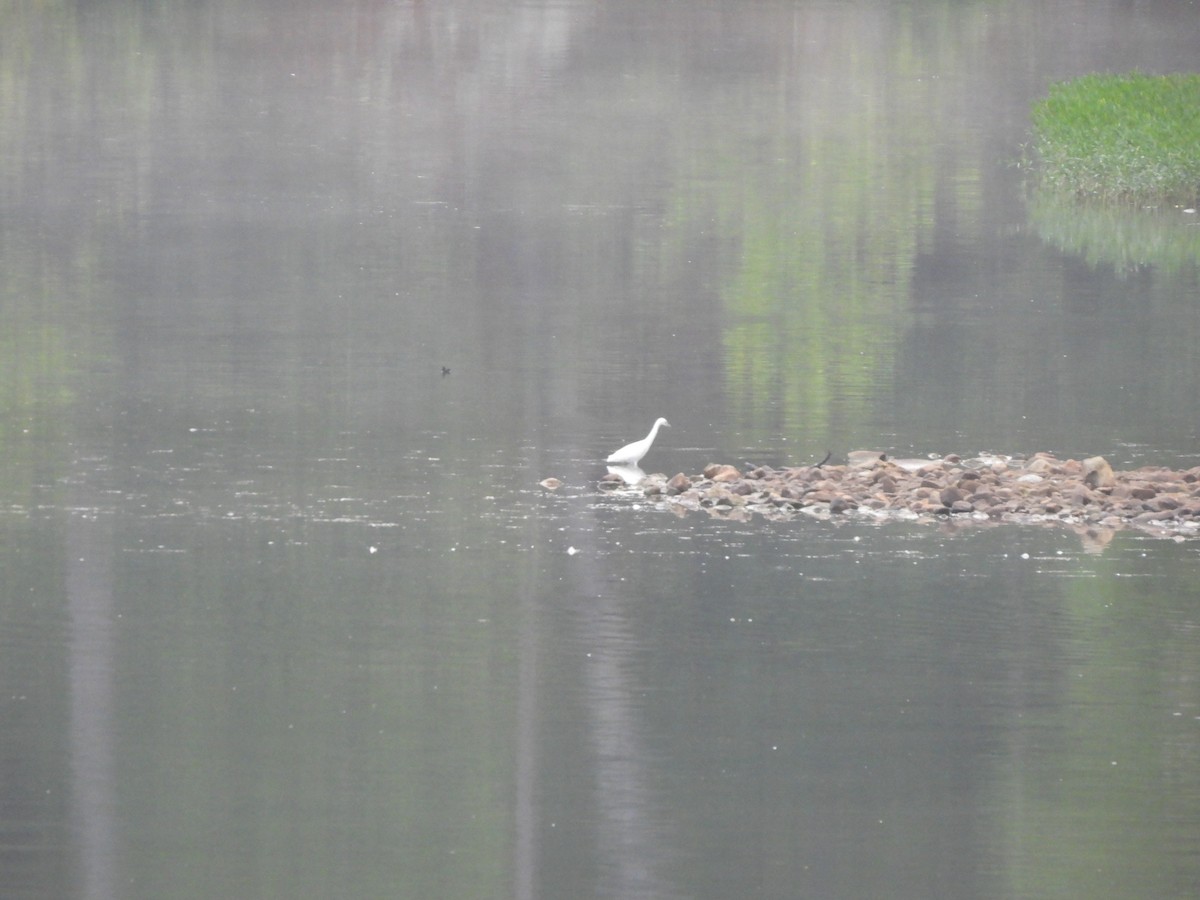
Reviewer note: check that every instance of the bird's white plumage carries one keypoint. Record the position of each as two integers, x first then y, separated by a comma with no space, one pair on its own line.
631,454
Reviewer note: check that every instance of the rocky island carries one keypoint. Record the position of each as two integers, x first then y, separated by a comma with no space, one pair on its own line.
1088,495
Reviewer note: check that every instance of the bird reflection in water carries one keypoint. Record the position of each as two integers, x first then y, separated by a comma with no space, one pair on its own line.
628,474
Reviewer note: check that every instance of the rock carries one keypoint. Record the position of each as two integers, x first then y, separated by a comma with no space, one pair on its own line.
1041,465
803,473
721,496
1157,475
678,484
1097,473
1152,518
878,473
865,459
722,474
1088,495
842,504
949,496
1079,495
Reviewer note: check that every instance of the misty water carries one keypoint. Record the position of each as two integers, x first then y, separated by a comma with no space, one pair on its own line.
301,301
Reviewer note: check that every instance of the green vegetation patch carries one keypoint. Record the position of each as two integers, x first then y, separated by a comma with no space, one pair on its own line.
1130,138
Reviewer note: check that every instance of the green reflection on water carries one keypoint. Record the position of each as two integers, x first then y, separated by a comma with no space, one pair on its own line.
1122,238
819,219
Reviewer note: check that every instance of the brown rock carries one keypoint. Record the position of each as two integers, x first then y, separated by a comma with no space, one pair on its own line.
1079,495
724,475
678,484
1156,475
802,473
721,496
1089,493
1097,473
1041,465
881,472
864,459
1148,518
950,496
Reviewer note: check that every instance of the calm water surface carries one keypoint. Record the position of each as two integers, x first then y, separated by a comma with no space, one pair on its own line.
283,609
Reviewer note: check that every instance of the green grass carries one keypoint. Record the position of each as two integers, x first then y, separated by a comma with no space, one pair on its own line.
1121,138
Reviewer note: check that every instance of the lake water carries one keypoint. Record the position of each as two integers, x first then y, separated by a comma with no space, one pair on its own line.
301,301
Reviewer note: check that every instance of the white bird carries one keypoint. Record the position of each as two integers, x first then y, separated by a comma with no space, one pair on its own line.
631,454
